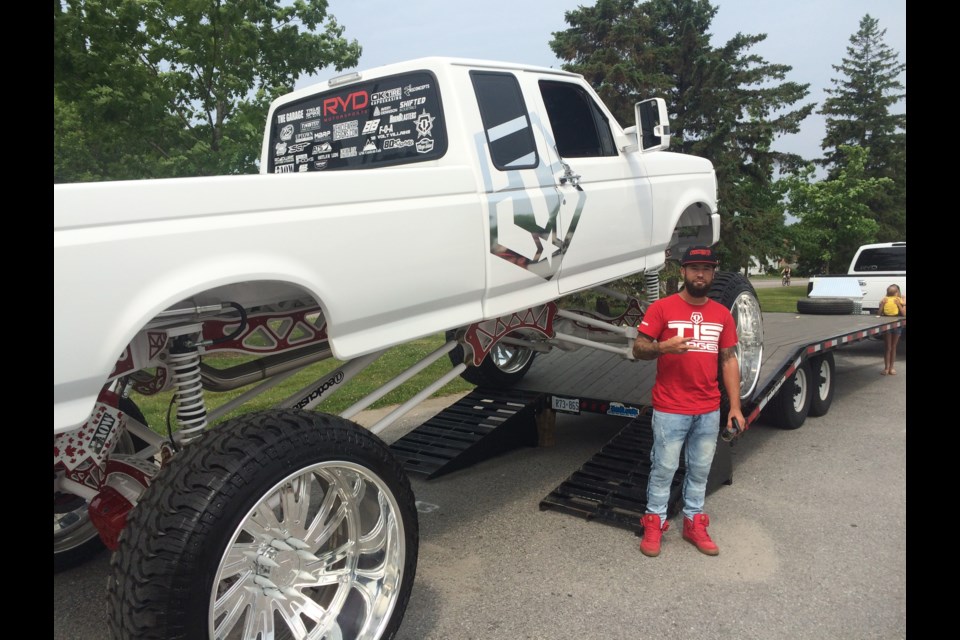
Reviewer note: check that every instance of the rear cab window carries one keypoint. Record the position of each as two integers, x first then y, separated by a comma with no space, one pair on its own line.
383,122
882,259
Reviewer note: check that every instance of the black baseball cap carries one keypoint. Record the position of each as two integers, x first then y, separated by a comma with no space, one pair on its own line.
699,254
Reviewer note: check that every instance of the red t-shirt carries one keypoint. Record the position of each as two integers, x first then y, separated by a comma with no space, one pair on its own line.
687,383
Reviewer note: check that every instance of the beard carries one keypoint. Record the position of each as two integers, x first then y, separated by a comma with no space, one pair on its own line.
695,288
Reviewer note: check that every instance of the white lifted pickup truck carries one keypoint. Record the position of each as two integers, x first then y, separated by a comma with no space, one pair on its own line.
435,195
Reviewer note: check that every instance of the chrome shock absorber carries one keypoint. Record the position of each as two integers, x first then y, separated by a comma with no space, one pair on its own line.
191,407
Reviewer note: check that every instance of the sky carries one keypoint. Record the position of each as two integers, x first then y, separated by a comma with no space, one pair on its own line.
809,36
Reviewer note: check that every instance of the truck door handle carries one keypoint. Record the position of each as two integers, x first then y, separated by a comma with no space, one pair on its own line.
569,176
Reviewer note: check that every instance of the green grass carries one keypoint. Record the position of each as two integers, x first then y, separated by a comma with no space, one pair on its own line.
388,366
780,299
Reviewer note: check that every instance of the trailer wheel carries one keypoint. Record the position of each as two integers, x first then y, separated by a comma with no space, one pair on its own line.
279,524
821,373
503,367
735,292
790,407
75,539
825,306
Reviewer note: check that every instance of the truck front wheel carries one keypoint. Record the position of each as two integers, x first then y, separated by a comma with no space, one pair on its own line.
274,525
735,292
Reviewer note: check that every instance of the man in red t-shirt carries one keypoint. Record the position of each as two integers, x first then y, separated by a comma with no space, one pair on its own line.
691,337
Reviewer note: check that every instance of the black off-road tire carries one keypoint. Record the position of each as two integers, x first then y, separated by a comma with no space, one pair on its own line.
821,384
503,367
791,406
825,306
87,543
234,513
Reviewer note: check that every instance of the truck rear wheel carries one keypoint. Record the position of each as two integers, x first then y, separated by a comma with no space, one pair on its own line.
503,367
790,407
75,539
821,370
276,524
735,292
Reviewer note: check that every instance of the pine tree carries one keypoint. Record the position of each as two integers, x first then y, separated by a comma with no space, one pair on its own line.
859,112
726,104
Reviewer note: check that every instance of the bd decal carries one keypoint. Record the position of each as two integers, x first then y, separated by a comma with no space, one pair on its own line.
371,126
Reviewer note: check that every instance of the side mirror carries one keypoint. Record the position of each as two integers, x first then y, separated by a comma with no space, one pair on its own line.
652,124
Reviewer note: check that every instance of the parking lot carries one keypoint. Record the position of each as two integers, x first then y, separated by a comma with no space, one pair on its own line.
812,533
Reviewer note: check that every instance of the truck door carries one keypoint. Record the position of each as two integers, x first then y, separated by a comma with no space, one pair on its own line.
520,196
606,208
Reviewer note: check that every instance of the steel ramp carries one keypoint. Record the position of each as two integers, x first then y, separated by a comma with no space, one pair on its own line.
482,424
612,486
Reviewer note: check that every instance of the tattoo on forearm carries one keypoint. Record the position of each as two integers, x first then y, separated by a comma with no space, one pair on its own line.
726,354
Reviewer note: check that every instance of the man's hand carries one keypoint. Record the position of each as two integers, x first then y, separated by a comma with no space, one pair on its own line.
646,349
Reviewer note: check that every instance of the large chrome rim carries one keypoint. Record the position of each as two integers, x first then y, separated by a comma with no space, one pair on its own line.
321,555
509,358
749,320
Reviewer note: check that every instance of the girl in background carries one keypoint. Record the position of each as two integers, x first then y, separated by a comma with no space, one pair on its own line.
893,304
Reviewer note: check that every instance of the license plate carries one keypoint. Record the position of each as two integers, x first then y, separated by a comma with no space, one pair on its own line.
566,405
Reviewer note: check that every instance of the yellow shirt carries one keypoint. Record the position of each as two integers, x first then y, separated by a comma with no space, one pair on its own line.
890,307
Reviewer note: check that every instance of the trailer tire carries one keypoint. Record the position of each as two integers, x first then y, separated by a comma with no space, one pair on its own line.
825,306
734,291
504,366
290,521
821,383
83,542
791,406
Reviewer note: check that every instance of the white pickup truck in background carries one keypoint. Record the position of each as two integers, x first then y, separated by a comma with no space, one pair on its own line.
436,195
874,267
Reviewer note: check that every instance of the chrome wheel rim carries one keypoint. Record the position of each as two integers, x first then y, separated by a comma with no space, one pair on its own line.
321,555
509,358
749,320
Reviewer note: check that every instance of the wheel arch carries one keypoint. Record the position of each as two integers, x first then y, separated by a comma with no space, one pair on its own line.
235,280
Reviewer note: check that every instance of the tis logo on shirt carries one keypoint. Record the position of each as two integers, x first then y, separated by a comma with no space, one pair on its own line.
705,335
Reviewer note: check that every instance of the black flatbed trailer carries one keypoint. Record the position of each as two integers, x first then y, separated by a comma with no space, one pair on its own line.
796,379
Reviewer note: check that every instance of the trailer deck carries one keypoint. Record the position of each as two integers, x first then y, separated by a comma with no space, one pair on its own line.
611,486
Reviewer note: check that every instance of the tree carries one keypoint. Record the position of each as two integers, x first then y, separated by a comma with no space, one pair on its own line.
725,104
859,113
834,214
179,87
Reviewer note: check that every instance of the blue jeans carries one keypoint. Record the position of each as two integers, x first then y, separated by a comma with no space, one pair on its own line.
670,432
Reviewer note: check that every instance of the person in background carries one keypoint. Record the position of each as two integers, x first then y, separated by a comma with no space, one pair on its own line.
692,338
892,304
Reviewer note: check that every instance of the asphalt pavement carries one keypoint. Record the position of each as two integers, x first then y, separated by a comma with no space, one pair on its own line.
812,536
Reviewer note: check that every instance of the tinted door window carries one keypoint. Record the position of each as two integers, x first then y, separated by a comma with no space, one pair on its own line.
505,120
579,126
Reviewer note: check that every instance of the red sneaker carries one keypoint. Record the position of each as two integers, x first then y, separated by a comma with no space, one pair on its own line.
695,532
652,533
